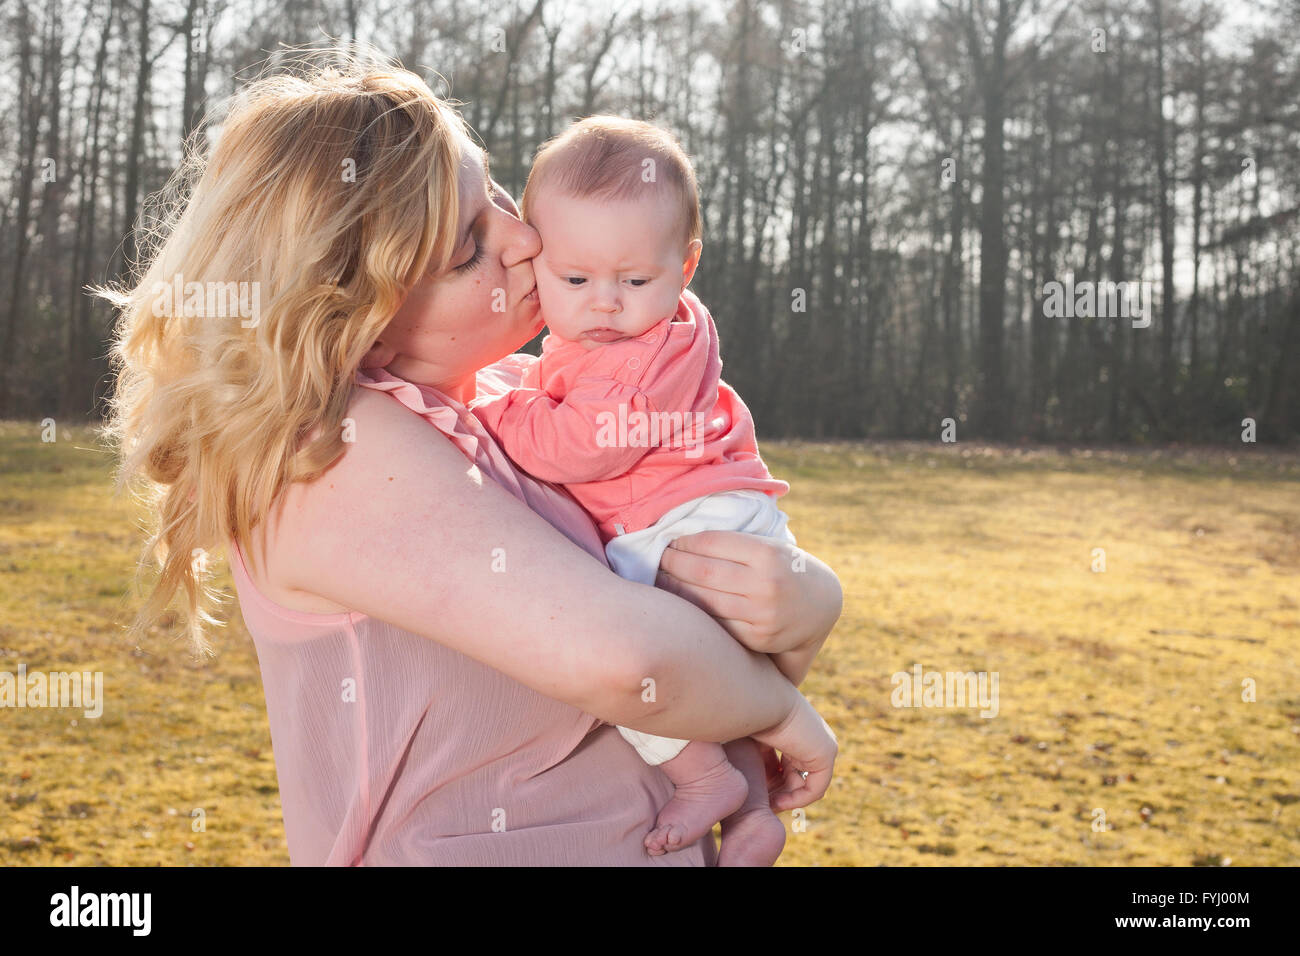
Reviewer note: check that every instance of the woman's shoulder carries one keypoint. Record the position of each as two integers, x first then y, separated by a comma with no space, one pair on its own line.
378,433
308,514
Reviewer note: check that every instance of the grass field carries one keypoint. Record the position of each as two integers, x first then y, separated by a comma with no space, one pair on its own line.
1120,691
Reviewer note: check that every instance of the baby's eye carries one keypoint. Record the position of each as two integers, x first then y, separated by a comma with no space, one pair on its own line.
638,282
574,280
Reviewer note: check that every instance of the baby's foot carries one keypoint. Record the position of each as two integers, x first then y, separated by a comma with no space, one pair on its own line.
752,836
698,803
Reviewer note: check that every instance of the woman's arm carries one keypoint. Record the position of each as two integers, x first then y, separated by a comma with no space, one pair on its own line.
403,528
771,596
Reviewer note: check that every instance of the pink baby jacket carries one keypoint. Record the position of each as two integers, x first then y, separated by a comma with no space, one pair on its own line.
633,428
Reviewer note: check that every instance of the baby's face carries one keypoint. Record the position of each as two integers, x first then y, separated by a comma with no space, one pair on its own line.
608,271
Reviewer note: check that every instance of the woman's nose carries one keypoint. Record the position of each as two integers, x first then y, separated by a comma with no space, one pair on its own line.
522,242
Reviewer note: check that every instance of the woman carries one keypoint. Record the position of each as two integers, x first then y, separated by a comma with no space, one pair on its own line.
443,648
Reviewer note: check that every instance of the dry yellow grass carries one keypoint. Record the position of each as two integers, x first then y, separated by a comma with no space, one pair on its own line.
1118,691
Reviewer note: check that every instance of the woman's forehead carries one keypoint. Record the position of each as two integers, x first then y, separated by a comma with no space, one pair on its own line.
472,186
473,169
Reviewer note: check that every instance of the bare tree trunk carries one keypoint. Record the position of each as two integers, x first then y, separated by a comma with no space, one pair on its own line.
548,86
81,365
59,171
992,77
196,29
1165,206
514,42
1198,186
1042,330
130,199
589,85
29,118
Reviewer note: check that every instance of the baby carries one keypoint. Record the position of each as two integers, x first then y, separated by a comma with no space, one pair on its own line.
626,409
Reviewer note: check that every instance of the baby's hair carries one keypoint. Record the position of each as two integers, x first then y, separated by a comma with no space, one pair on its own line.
611,158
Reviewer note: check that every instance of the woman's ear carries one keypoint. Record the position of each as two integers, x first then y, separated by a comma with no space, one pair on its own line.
379,355
692,260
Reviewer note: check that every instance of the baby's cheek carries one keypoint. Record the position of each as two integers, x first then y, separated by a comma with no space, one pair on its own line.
547,294
550,304
668,305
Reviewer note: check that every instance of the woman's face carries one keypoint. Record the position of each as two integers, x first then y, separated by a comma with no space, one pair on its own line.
482,307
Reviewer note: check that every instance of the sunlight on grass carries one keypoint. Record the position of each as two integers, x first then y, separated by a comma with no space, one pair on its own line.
1120,691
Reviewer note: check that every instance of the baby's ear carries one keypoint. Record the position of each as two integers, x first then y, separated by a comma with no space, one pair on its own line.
692,260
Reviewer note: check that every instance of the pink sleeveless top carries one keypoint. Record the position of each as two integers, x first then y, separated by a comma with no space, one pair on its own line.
391,749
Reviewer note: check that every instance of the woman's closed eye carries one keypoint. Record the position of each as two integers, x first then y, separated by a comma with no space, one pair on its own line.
473,260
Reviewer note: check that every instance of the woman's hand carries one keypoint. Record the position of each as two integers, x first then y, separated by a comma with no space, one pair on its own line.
770,596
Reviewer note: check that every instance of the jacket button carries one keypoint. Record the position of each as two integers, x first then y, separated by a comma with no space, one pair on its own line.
634,362
652,338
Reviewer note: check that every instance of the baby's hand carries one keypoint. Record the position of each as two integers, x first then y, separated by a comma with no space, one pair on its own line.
808,750
771,766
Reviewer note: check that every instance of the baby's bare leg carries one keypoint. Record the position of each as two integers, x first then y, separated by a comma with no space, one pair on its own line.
709,789
753,835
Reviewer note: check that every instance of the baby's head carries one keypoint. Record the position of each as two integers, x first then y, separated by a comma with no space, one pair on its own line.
617,207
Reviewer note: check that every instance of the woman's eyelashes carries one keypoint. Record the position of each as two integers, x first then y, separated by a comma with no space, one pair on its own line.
473,260
477,257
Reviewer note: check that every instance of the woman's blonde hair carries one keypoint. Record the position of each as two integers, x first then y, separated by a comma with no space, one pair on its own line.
331,189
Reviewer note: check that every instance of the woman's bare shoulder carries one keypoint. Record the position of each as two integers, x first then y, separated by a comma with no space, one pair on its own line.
309,512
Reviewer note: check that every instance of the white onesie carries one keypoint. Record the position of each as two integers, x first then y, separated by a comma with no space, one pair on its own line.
636,556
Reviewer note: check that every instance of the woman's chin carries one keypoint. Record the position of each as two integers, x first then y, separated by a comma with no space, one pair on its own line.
528,330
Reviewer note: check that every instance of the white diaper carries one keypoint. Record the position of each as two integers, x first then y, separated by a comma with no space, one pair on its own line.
636,556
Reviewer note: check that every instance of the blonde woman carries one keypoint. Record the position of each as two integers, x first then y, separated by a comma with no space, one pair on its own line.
444,651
